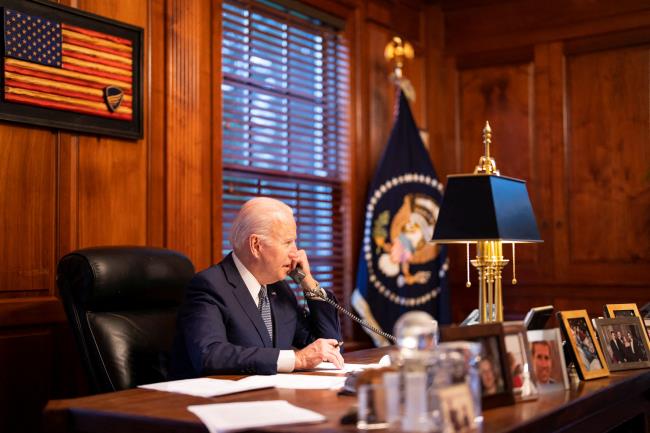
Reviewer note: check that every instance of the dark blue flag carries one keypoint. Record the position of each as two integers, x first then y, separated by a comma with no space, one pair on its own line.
399,270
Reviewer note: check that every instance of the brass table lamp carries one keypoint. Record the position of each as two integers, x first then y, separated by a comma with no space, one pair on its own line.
489,210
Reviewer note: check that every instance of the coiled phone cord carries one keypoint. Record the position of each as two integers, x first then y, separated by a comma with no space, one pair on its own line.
361,322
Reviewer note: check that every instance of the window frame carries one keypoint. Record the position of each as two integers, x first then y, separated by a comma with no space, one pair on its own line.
345,181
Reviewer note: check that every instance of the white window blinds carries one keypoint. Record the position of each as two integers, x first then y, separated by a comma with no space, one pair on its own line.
285,134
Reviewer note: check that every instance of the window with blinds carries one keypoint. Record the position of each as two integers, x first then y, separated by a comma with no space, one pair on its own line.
285,96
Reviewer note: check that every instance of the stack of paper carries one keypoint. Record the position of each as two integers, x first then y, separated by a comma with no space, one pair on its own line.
295,381
328,367
206,387
224,417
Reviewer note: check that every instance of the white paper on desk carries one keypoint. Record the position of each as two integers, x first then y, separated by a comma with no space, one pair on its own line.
328,367
297,381
224,417
205,387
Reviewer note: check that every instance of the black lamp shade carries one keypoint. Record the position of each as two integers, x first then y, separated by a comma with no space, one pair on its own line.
485,207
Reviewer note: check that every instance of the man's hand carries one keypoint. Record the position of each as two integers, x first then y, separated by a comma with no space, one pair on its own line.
300,259
317,352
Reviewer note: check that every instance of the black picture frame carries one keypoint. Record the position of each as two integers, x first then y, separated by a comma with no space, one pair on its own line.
22,112
617,352
491,337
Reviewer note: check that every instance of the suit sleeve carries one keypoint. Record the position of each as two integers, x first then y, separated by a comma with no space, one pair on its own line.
322,321
202,321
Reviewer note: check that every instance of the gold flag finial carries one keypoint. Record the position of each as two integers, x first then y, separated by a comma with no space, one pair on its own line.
486,165
397,51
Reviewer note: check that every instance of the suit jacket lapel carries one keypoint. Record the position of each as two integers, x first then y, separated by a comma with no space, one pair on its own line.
245,300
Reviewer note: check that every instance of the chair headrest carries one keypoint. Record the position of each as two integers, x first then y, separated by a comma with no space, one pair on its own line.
108,278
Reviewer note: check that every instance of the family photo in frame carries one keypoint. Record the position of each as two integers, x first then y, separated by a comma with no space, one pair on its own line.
457,408
624,343
587,354
629,310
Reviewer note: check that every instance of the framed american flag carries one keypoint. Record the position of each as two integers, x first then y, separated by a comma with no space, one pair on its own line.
65,68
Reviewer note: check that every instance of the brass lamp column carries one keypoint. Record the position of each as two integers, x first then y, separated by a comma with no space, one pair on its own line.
487,209
489,254
489,262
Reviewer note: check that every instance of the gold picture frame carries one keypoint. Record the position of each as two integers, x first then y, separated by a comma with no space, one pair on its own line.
621,310
587,354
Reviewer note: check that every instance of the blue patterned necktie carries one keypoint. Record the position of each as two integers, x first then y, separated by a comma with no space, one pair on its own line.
265,311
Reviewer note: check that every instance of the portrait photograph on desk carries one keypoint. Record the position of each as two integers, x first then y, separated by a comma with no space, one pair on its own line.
524,382
548,359
457,408
579,334
496,382
624,343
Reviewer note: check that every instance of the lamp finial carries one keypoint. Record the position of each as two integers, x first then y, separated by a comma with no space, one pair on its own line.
487,138
487,165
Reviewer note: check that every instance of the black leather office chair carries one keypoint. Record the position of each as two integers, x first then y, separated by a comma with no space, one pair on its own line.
121,303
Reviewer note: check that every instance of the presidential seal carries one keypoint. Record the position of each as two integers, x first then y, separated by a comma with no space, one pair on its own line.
396,239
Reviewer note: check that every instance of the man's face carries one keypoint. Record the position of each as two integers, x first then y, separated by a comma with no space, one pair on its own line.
543,362
278,250
613,335
618,334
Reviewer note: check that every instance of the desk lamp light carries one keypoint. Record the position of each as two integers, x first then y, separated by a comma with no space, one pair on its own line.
489,210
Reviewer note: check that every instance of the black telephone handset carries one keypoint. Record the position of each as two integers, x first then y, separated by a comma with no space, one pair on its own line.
297,275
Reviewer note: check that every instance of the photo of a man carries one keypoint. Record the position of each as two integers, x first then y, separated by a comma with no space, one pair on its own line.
542,362
547,359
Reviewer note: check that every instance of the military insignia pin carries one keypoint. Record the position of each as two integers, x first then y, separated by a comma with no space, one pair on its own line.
113,97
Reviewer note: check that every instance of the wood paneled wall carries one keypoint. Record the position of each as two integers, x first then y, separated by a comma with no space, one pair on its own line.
61,191
565,87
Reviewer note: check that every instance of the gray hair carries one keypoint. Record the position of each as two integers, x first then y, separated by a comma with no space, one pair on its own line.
257,216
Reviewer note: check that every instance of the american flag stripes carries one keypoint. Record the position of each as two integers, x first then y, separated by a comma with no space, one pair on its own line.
60,66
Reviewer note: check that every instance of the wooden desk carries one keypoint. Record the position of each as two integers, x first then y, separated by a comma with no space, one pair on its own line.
595,406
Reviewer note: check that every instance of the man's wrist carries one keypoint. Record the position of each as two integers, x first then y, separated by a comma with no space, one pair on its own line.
308,283
286,361
312,289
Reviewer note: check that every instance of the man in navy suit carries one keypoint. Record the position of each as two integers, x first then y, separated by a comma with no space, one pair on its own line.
240,316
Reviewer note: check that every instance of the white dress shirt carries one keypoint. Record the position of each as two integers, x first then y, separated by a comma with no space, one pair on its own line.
287,358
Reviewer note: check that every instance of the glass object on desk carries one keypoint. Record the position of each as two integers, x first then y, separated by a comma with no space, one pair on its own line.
417,338
373,413
457,363
416,331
